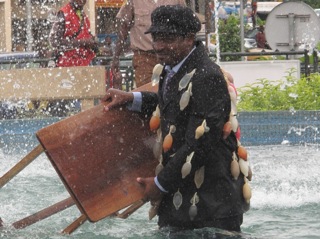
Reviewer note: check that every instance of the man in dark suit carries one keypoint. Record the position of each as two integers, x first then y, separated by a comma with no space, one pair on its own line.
194,186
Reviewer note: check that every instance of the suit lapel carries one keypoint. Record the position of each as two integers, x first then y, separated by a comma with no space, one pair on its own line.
172,92
189,64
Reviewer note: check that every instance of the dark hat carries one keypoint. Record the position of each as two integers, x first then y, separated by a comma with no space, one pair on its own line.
174,19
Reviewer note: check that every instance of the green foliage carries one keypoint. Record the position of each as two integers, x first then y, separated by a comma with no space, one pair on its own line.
312,3
229,37
288,94
260,22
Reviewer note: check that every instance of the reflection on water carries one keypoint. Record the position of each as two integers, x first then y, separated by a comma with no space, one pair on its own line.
285,202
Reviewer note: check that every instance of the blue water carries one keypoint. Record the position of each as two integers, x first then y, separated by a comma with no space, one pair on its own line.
285,201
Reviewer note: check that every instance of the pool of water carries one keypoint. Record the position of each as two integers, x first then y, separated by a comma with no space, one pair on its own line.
285,201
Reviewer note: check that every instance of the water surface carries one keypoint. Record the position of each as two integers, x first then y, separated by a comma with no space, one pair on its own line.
285,201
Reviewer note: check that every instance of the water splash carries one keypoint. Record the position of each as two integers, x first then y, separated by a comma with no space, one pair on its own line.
286,193
287,176
300,130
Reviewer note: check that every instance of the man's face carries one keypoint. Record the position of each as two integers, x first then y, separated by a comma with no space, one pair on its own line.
171,48
79,3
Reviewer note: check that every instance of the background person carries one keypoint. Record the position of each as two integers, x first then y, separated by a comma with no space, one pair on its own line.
106,47
207,195
261,38
133,19
73,45
70,36
254,7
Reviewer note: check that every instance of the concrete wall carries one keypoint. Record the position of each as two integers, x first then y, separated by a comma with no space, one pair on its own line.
247,72
279,127
5,26
257,128
2,26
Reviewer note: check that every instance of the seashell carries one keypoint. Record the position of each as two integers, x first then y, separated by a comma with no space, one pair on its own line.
158,168
172,129
177,200
157,149
184,101
234,156
157,111
238,143
186,79
199,132
167,142
190,88
156,72
234,110
186,169
242,152
154,122
159,135
232,93
244,167
235,169
249,174
189,157
193,211
227,129
206,128
246,191
234,123
199,177
194,199
153,212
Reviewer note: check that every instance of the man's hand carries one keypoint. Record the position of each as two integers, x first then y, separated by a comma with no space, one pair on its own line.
151,193
116,98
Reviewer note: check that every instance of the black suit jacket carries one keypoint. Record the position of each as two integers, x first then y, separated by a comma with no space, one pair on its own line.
220,196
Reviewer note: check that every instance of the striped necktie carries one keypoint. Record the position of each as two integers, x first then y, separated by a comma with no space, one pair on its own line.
166,84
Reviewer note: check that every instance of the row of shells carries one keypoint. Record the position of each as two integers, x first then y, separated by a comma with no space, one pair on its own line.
238,164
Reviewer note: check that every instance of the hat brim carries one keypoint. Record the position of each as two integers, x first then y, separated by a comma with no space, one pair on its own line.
163,29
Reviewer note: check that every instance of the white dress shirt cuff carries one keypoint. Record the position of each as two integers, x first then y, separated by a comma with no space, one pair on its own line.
158,185
136,103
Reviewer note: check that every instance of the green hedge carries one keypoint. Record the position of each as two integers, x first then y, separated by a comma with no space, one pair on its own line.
289,93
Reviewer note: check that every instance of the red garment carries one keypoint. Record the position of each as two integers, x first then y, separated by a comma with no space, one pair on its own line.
78,56
261,40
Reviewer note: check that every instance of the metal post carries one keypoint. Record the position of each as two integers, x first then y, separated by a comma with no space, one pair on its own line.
29,25
291,31
315,61
306,63
207,22
241,27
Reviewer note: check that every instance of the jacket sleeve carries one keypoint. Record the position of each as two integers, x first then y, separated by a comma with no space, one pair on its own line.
149,103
